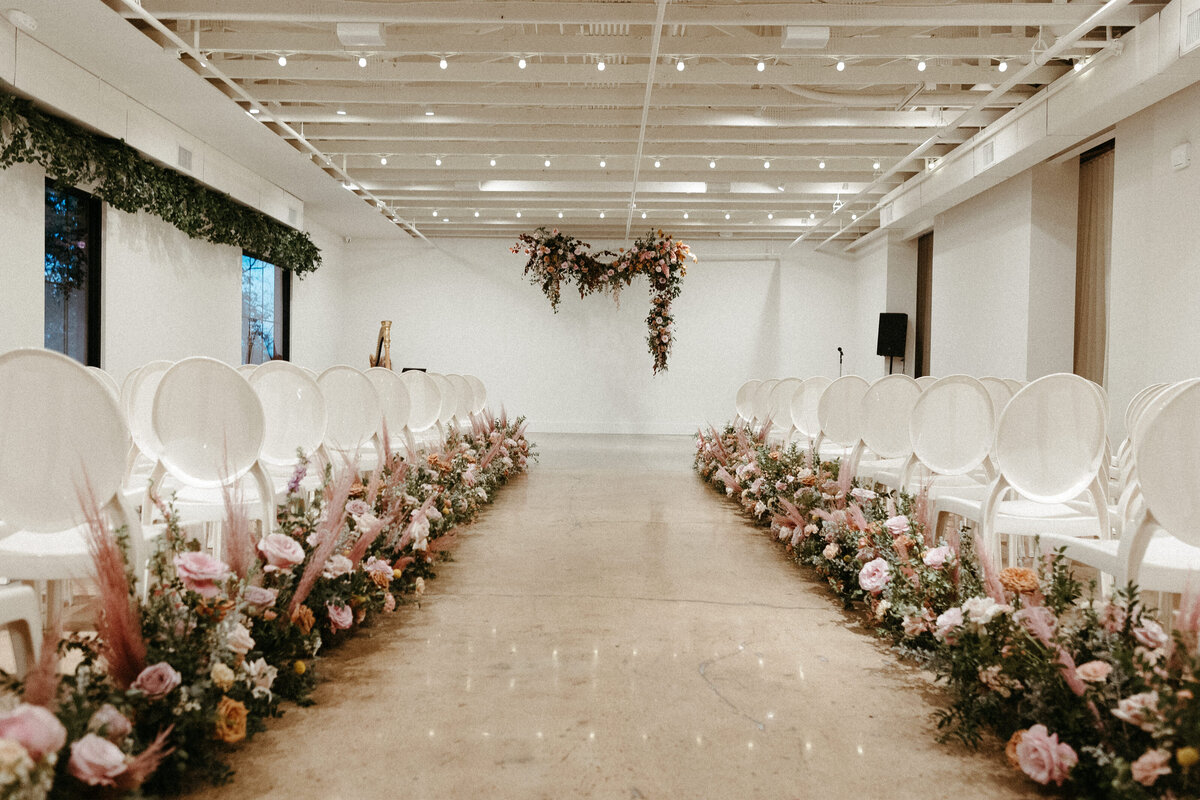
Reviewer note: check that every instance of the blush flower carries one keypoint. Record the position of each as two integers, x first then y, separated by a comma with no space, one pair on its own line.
1138,709
110,723
96,761
260,599
157,680
280,551
937,557
240,641
831,551
340,616
1151,634
1044,758
35,729
947,623
897,525
1150,766
874,576
1094,671
201,573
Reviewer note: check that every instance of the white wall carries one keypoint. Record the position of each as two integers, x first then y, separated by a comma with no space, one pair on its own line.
321,302
887,282
22,257
1155,282
466,307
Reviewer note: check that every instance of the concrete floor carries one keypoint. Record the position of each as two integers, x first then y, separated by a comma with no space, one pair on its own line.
611,628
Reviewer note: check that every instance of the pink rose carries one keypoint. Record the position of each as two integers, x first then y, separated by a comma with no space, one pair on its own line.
937,557
947,623
110,723
1044,758
897,525
1113,618
1138,709
337,566
340,616
1151,764
389,603
914,626
281,551
201,572
863,495
831,551
874,576
96,761
1151,634
376,566
1094,671
259,598
35,729
240,641
157,680
356,508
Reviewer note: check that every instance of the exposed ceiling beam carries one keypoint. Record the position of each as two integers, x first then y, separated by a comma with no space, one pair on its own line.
613,151
556,13
558,179
586,75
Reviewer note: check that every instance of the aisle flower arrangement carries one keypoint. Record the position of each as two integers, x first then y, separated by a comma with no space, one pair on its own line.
555,257
1093,697
178,674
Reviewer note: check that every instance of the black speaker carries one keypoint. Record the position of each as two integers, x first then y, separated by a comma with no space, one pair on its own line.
893,331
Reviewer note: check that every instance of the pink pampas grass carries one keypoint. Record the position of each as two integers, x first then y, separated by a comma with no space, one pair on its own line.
144,764
365,540
327,537
41,683
119,624
991,578
792,513
921,511
237,545
856,518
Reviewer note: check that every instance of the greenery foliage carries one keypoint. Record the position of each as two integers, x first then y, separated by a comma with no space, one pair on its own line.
120,176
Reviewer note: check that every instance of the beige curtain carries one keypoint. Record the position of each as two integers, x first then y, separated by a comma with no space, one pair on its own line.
1093,255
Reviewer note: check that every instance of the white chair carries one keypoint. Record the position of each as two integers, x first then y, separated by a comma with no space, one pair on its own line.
354,413
109,382
779,409
246,370
839,413
464,397
1159,546
951,430
21,618
886,409
744,401
761,404
137,401
448,395
394,400
1049,448
805,401
478,394
210,426
1015,385
62,437
925,381
1000,393
295,417
425,403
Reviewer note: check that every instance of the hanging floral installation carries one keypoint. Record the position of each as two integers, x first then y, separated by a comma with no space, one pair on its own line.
555,257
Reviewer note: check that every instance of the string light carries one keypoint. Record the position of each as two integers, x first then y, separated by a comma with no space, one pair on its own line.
685,215
518,215
921,65
875,165
383,161
1002,66
520,63
341,112
680,66
600,65
657,163
492,162
766,165
770,215
603,163
761,66
443,64
601,215
841,65
560,215
435,213
546,162
362,61
712,164
1078,65
726,215
283,61
812,215
476,214
255,111
437,162
643,215
821,164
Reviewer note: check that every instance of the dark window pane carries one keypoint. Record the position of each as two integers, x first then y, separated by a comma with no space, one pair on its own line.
72,273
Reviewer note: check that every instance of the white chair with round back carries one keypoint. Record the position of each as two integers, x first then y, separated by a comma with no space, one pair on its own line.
805,401
839,413
448,394
211,428
952,431
744,401
925,381
761,405
425,403
295,416
478,394
1000,393
464,399
246,370
137,402
354,415
21,618
780,410
886,410
393,396
109,382
63,436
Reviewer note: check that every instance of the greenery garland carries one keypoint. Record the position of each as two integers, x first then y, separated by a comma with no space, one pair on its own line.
555,257
125,179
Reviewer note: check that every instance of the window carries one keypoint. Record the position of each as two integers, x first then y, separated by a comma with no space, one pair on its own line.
72,313
266,314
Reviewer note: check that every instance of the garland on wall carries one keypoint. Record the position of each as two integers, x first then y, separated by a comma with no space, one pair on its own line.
126,180
555,257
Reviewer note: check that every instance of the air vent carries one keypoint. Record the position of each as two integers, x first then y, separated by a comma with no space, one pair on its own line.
293,217
360,34
805,37
184,161
1191,31
987,153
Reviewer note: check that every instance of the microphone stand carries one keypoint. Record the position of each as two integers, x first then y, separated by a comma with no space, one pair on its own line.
840,356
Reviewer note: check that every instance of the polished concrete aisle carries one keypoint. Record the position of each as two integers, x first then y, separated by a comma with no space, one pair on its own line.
612,628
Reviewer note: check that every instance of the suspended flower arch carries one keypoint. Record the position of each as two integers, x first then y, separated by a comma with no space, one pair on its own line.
555,257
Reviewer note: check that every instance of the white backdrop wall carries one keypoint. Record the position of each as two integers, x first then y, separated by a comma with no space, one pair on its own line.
22,256
1154,291
466,307
887,282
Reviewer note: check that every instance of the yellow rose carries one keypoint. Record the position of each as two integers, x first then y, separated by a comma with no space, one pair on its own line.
231,721
222,676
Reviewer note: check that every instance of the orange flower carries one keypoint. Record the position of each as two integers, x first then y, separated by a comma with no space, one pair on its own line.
231,720
1019,580
303,619
1010,749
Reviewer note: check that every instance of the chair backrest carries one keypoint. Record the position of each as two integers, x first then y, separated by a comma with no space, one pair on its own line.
294,410
109,382
779,406
886,409
137,398
246,370
62,431
312,373
761,405
448,395
209,422
744,402
840,410
1050,438
1167,452
1138,404
352,406
1000,392
805,401
1015,385
925,381
478,394
393,396
425,399
464,396
952,426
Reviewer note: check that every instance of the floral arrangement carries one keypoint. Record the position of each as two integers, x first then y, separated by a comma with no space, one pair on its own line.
555,257
177,675
1093,696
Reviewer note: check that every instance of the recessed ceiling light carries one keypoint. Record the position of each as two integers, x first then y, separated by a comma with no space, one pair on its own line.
476,214
362,61
546,163
443,64
600,65
727,215
1002,66
445,219
841,65
283,61
437,162
383,161
518,215
492,162
921,65
603,163
560,215
712,164
770,215
520,63
657,163
601,215
760,66
766,165
875,165
685,215
821,164
643,215
341,112
429,112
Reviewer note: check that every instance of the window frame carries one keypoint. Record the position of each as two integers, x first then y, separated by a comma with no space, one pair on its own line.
284,345
95,248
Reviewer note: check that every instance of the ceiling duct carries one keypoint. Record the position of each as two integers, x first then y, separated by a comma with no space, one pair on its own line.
805,37
360,34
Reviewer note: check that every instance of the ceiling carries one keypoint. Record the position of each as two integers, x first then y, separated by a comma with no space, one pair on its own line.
425,110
